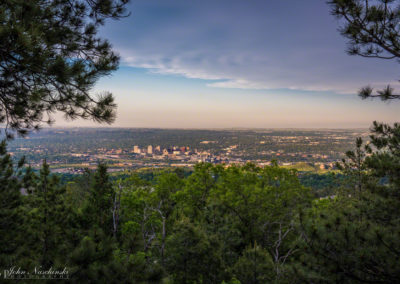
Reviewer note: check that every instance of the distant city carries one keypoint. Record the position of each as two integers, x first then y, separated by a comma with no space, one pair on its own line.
71,150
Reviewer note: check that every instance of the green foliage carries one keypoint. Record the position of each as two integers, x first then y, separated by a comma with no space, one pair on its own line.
372,28
354,238
255,266
322,185
11,218
236,224
346,242
197,228
98,208
385,162
95,256
47,220
192,256
51,59
92,261
195,194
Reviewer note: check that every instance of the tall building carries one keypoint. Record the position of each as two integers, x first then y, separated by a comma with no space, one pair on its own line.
136,149
149,149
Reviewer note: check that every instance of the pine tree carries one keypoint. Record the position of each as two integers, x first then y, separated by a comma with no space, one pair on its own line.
191,255
51,57
372,30
47,221
11,218
255,266
93,260
354,238
100,201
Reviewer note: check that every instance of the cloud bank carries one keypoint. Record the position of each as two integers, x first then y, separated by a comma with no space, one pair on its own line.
246,44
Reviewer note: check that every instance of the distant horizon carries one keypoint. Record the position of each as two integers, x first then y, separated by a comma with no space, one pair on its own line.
201,128
247,64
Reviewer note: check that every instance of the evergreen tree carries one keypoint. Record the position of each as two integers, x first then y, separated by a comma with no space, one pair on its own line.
255,266
193,198
164,203
372,28
51,57
11,218
141,226
94,259
100,201
346,241
354,238
46,220
385,161
192,257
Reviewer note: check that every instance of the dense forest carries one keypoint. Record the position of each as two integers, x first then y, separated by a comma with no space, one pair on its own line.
237,224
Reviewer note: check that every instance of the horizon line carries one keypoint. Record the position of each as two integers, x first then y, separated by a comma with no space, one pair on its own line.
206,128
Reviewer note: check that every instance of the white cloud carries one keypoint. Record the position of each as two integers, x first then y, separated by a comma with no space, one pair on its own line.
244,46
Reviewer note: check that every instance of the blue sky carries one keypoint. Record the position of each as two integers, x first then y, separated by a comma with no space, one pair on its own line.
237,63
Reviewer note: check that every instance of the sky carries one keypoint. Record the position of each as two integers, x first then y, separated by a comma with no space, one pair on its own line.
239,63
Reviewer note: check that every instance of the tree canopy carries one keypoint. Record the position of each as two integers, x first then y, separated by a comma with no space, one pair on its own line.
373,31
51,57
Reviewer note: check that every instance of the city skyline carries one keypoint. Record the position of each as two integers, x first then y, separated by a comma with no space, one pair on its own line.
232,64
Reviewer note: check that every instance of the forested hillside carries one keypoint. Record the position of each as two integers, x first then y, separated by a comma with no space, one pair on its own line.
237,224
